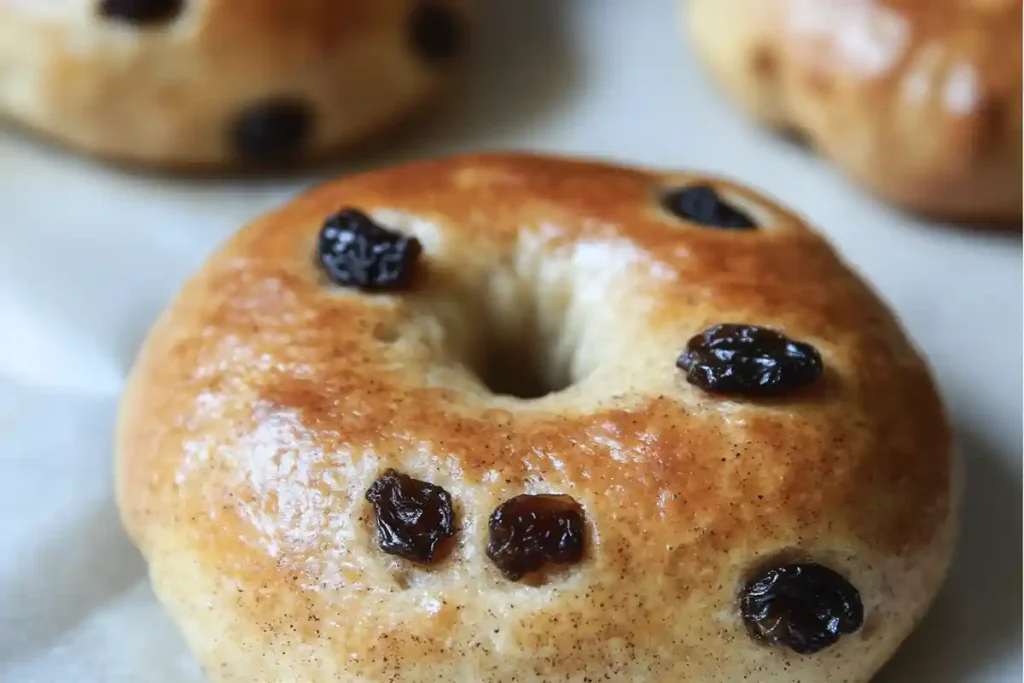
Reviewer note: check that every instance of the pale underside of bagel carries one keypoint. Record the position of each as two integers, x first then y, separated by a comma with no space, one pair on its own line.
266,400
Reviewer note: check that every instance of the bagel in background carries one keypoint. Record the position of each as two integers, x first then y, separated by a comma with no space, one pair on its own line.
506,418
194,84
918,100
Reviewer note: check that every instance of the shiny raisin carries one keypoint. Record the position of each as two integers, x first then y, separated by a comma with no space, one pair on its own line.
528,531
805,607
357,252
702,204
413,517
435,32
141,12
748,360
272,132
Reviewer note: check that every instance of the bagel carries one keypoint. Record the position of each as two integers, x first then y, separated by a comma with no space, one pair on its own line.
918,100
194,84
520,418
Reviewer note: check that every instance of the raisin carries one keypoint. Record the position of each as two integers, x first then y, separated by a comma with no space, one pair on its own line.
805,607
272,132
435,32
748,360
413,516
528,531
702,204
357,252
142,11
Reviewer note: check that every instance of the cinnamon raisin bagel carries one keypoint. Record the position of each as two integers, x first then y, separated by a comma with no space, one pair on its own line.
521,418
217,83
919,100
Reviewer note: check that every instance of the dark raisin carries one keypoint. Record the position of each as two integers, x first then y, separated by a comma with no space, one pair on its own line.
142,11
356,252
272,132
435,32
413,517
530,530
748,360
805,607
702,204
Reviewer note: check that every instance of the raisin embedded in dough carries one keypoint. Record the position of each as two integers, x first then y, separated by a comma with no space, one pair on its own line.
272,132
805,607
529,531
413,516
702,204
749,360
142,11
436,32
354,251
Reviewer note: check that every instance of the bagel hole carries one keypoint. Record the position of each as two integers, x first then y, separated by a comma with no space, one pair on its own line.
524,351
518,372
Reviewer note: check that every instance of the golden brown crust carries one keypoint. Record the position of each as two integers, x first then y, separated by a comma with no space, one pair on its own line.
265,401
169,95
919,100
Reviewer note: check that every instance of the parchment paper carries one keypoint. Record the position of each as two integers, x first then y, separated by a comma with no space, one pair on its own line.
89,256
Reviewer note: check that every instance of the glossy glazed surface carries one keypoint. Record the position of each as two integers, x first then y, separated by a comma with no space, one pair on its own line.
266,401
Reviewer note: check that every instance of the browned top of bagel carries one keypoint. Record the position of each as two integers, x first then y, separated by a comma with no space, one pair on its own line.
266,400
920,100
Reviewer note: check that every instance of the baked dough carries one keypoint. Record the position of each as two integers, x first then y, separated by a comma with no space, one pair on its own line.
919,100
525,335
188,84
